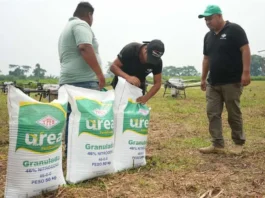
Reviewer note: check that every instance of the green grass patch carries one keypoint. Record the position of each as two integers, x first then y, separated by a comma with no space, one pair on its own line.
175,168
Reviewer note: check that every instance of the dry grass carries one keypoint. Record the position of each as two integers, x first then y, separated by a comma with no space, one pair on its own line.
175,168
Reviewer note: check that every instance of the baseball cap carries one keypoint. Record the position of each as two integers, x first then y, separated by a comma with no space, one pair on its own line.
155,49
210,10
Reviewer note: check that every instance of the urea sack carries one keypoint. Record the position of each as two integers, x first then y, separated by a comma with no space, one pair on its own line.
90,134
131,121
35,144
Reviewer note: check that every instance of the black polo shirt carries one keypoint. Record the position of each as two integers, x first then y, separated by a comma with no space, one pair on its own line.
225,57
129,57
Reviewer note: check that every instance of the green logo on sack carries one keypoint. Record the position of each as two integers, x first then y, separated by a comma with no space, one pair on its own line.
136,118
96,117
40,126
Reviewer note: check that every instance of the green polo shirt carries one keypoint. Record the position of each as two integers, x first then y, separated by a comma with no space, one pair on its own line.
73,67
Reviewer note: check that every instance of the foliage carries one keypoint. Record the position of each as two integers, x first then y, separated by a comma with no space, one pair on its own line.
180,71
19,70
257,65
38,71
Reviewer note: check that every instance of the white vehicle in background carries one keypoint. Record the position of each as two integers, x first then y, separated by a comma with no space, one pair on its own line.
4,86
177,86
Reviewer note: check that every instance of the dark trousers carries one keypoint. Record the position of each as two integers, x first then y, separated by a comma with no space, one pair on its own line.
229,95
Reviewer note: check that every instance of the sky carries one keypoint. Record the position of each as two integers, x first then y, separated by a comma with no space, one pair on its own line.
30,29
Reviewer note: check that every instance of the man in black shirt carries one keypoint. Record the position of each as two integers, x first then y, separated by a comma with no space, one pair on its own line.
227,61
138,60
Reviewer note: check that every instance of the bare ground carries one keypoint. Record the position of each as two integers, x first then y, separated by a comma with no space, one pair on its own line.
174,167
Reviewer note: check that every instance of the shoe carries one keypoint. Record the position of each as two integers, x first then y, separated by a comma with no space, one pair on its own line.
211,149
236,149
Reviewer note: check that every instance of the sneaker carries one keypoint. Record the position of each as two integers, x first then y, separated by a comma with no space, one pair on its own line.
212,149
236,149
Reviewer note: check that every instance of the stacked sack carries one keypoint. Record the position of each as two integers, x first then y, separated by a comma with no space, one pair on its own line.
107,133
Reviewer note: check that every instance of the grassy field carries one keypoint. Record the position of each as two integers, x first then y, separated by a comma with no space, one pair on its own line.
175,168
25,82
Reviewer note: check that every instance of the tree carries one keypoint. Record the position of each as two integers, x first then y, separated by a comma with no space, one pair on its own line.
19,70
38,71
257,65
189,71
179,71
171,71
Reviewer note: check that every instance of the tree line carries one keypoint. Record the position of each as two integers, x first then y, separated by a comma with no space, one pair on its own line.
22,71
17,72
257,68
167,71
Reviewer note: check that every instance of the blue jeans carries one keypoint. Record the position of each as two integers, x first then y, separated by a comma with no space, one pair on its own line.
88,84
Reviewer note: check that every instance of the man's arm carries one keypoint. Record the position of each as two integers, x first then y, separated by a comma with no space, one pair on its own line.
116,69
246,59
83,37
155,88
89,56
241,41
205,70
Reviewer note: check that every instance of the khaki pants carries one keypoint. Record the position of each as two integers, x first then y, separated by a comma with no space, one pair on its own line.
216,97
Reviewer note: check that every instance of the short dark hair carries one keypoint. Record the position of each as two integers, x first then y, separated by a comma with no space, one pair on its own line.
82,9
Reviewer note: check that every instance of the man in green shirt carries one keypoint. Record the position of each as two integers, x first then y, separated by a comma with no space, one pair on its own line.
78,53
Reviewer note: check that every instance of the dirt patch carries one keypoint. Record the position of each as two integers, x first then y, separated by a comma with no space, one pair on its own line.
174,167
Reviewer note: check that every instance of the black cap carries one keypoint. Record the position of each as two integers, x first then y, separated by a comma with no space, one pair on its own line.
155,49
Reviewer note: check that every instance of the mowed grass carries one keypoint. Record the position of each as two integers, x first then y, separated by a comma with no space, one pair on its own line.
175,168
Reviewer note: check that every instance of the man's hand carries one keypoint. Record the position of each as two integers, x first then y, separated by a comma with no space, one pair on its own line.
142,99
246,59
245,78
101,80
134,81
203,85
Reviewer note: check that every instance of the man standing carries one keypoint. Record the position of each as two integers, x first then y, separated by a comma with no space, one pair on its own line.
138,60
227,59
78,52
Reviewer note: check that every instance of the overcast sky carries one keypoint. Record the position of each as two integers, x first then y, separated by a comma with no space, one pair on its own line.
30,28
